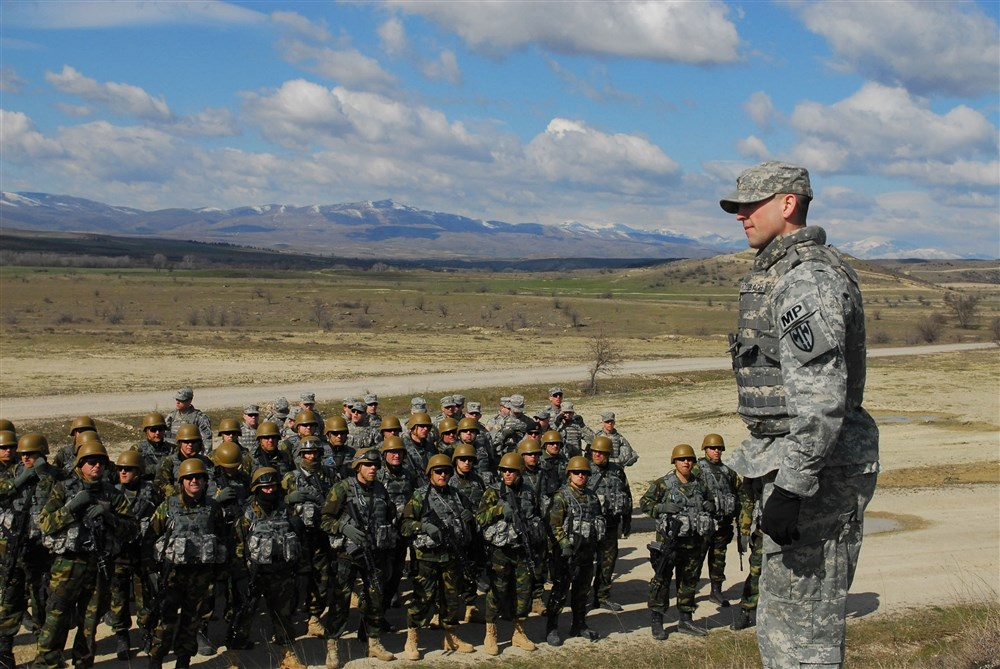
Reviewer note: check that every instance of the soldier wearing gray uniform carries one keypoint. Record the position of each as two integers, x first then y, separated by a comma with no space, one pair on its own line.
812,454
186,413
622,451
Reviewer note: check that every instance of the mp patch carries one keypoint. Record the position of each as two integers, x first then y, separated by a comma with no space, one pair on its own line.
802,336
803,327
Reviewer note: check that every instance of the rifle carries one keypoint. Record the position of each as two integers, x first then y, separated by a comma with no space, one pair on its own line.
664,555
248,607
371,566
98,543
158,588
522,528
448,533
563,579
17,539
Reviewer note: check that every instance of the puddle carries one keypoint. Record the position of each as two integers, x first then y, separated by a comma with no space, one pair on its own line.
875,525
906,419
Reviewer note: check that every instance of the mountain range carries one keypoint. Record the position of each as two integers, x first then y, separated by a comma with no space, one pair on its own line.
384,229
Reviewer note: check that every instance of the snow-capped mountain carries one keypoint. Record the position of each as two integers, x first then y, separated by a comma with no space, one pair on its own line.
883,248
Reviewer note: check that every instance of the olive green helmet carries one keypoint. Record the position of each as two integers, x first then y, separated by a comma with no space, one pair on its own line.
368,456
82,424
528,445
153,419
512,460
551,437
130,458
189,432
86,437
419,419
229,425
681,451
439,460
8,438
192,467
308,443
602,444
578,463
306,417
34,442
713,440
335,424
263,476
392,443
464,451
390,423
88,449
7,425
228,455
268,429
447,425
468,423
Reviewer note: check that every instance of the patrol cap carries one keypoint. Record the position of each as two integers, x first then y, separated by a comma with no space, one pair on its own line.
555,390
505,402
371,399
448,401
474,407
418,404
308,398
608,415
359,407
543,414
517,401
251,410
567,406
459,399
281,403
766,180
281,413
185,394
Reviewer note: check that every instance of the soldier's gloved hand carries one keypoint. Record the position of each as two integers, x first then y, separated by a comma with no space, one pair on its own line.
78,501
743,543
708,505
667,507
355,534
227,494
94,512
780,518
508,511
466,516
630,460
27,475
296,497
431,530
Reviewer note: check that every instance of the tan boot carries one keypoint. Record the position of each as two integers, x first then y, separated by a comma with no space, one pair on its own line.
231,659
289,660
378,651
435,623
453,642
520,639
316,627
490,642
411,651
473,615
332,654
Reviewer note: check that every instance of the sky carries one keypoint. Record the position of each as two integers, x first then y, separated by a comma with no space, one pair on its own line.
634,113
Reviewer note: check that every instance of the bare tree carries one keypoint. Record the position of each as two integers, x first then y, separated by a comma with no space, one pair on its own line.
964,307
605,357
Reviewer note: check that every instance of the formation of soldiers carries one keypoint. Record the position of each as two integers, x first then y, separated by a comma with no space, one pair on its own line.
303,516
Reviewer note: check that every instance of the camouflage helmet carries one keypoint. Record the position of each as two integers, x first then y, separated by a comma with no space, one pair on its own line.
309,443
153,419
188,432
7,425
335,424
713,440
228,455
419,419
512,460
263,476
578,463
439,460
551,437
528,445
229,425
268,429
390,423
130,458
87,449
8,438
82,424
392,443
191,467
34,442
464,451
602,444
468,424
447,425
681,451
306,417
367,456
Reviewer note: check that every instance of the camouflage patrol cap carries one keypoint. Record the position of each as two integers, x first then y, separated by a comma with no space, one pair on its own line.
185,394
608,416
281,404
308,398
371,399
474,407
567,407
766,180
448,401
517,401
251,410
418,404
459,399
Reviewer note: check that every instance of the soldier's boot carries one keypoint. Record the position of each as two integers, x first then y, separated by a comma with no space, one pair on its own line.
315,627
290,660
657,627
435,623
716,594
332,654
205,645
453,642
121,646
741,619
378,651
411,651
7,652
520,639
490,646
231,659
183,662
686,625
609,605
579,628
552,631
473,615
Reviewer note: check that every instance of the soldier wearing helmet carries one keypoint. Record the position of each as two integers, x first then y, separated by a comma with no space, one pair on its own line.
622,451
400,481
681,504
388,425
447,430
306,423
306,488
185,412
472,433
439,521
512,525
268,549
129,576
723,486
468,481
610,484
576,522
187,536
307,402
420,445
553,460
189,446
65,456
338,452
359,518
267,453
154,448
84,523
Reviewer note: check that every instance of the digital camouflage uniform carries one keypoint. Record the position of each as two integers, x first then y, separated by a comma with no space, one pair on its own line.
799,358
574,433
153,455
130,577
722,485
622,452
176,418
472,486
751,540
399,483
306,489
610,484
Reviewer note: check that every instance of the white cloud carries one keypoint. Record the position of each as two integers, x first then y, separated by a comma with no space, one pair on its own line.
392,34
345,66
886,130
118,98
21,142
753,147
58,14
668,30
9,81
760,109
219,122
76,111
596,86
301,25
445,67
949,48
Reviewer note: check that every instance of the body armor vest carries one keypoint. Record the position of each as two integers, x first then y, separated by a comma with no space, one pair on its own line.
471,485
77,537
141,502
398,485
191,536
610,488
720,480
504,532
270,538
370,513
690,497
315,485
444,508
583,518
152,456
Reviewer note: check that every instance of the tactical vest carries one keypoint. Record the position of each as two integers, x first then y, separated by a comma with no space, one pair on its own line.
471,485
445,507
316,486
572,434
583,520
140,501
690,496
373,517
77,537
152,457
270,539
754,346
191,536
503,532
610,489
398,485
720,478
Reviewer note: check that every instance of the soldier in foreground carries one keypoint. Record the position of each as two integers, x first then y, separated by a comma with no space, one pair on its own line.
812,454
722,484
609,483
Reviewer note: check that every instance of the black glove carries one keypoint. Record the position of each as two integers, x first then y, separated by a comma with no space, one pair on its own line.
432,531
667,507
708,506
780,519
626,525
79,501
508,512
27,475
224,495
354,534
94,512
296,497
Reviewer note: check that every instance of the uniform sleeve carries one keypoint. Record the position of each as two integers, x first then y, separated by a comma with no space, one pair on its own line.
329,519
557,514
651,498
412,516
809,312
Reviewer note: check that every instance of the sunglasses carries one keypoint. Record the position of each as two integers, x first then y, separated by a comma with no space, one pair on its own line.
441,471
507,470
